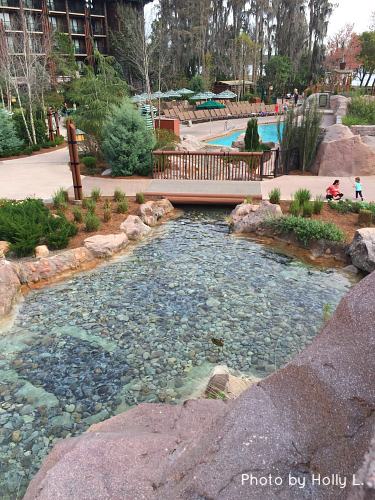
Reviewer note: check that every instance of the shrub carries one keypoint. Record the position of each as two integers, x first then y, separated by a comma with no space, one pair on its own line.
27,151
8,134
127,142
52,144
77,214
119,195
39,125
122,207
36,147
252,136
274,196
306,229
302,195
45,145
89,161
307,209
308,131
107,204
91,206
295,207
95,194
165,139
318,205
92,222
107,214
60,199
140,198
248,199
59,140
59,231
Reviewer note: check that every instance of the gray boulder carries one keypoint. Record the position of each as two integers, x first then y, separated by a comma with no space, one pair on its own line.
134,228
362,249
106,245
10,288
247,217
151,211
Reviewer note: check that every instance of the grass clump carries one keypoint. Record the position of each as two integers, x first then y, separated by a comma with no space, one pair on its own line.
302,195
140,198
307,209
306,229
91,206
95,194
77,214
92,222
274,196
122,207
119,195
107,216
107,204
248,199
318,204
295,207
60,199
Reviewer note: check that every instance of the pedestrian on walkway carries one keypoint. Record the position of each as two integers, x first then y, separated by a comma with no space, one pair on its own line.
296,96
333,191
358,188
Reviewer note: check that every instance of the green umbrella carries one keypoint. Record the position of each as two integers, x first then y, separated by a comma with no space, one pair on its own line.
210,105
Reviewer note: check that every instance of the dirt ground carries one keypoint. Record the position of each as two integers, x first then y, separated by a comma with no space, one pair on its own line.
347,222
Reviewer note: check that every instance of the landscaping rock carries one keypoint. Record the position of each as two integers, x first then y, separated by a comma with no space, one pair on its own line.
4,248
10,287
362,249
364,489
106,245
314,416
151,211
246,217
41,251
343,153
222,382
134,228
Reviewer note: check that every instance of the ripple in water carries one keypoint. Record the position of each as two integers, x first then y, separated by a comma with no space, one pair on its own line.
138,328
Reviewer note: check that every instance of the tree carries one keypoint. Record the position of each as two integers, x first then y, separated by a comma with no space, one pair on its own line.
244,52
8,134
367,56
127,143
197,84
279,71
345,45
252,136
319,13
62,54
308,131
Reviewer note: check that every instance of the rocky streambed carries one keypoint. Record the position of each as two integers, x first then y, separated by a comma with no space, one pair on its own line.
138,329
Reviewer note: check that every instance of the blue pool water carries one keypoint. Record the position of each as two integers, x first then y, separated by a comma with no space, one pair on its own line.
267,133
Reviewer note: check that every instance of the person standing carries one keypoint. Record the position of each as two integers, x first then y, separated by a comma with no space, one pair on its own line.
358,188
296,96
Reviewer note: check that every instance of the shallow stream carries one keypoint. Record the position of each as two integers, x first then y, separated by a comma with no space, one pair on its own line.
138,329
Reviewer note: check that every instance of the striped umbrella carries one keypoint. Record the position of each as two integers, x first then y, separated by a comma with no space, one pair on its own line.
157,95
137,98
226,94
185,91
199,97
172,93
209,94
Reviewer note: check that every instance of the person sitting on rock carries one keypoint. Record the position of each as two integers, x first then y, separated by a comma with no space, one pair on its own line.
333,191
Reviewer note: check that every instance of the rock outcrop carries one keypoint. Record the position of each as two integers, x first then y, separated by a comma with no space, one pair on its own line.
4,248
151,211
247,217
134,228
10,287
362,249
309,420
106,245
343,153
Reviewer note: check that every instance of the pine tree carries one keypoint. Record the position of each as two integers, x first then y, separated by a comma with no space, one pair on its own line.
252,136
8,135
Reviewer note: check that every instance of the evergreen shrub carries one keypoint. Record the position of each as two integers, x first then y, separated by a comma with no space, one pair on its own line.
140,198
89,161
274,196
252,136
92,222
9,140
127,143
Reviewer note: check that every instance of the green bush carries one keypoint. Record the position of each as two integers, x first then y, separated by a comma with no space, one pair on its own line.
318,204
9,140
107,204
91,206
52,144
60,199
252,136
274,196
302,195
306,229
39,125
107,214
59,140
27,151
165,140
92,222
361,111
307,209
77,214
45,145
89,161
127,143
119,195
95,194
59,231
122,207
140,198
295,207
36,147
354,207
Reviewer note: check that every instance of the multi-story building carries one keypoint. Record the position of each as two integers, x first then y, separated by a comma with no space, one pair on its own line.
81,20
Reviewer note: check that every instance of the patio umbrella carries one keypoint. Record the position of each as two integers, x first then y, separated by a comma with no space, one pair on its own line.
185,91
137,98
172,93
209,94
226,94
210,105
199,97
145,108
157,95
145,95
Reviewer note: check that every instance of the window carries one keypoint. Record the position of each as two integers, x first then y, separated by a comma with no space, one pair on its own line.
53,21
10,44
28,4
6,20
51,4
30,21
74,25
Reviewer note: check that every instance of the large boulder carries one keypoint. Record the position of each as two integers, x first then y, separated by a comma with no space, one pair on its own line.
134,228
362,249
246,217
308,421
151,211
106,245
343,153
4,248
10,288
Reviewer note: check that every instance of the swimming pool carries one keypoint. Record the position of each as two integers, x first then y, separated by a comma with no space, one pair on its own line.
267,133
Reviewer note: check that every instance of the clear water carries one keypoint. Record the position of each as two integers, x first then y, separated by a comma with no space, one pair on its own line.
138,329
267,133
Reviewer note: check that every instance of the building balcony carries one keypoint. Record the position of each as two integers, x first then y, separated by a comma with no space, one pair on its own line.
10,3
99,31
12,26
97,11
36,28
32,4
56,6
76,8
77,30
80,50
62,28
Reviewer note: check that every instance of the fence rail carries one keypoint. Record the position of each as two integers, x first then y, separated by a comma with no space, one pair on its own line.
206,165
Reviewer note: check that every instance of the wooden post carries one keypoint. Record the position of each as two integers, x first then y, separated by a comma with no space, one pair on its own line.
51,135
57,122
74,161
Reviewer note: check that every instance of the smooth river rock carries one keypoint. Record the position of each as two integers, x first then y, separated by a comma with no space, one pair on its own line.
246,217
315,417
134,228
106,245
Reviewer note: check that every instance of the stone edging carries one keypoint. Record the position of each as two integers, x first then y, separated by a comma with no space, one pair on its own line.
13,276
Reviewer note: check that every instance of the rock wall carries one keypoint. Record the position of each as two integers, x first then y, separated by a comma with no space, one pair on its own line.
363,130
309,420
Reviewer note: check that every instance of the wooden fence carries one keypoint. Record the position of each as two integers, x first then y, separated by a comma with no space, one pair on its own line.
206,165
